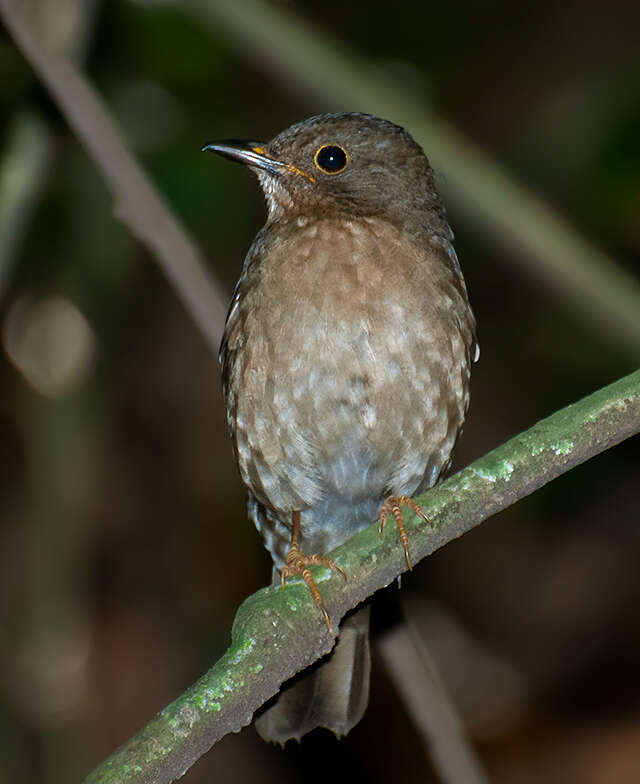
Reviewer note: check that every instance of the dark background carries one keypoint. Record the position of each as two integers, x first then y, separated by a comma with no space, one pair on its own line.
124,544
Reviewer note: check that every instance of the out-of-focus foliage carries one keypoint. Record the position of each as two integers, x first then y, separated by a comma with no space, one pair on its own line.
124,545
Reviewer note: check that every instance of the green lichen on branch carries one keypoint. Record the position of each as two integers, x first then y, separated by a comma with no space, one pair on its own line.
278,632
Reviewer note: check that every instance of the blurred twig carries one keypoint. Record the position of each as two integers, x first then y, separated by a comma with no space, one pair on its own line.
501,210
278,632
65,29
415,676
138,204
23,170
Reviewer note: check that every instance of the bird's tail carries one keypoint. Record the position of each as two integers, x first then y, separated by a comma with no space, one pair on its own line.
333,693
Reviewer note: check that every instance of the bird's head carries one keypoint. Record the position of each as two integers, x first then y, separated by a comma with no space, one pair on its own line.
339,163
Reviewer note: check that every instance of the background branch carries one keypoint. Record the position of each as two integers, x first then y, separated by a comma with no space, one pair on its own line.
420,687
23,170
138,203
276,632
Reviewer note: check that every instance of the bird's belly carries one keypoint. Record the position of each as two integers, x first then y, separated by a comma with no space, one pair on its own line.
348,417
347,377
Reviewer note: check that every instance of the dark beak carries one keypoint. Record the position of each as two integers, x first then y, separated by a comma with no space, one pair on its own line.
249,153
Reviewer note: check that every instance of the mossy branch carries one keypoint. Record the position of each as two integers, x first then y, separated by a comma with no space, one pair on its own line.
278,632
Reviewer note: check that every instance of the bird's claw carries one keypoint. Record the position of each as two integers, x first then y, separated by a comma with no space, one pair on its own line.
298,564
393,506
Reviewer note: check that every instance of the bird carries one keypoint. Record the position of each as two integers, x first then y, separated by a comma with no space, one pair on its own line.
345,361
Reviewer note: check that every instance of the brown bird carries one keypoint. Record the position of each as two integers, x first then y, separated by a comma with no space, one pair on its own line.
345,365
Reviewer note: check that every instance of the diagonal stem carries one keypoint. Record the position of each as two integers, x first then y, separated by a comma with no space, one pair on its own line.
138,203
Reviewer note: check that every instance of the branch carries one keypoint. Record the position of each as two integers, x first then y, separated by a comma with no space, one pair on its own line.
416,679
23,169
138,204
276,632
30,148
497,206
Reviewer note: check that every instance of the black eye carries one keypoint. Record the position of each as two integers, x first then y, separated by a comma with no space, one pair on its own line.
331,159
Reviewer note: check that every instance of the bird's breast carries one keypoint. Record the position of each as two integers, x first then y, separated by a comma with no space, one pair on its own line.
347,366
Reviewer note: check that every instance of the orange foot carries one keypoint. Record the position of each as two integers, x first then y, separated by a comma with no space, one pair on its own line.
298,564
393,505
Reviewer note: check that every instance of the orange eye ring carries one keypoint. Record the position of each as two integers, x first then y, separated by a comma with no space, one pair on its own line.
331,159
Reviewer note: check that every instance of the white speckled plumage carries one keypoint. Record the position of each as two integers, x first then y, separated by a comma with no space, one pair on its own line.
342,392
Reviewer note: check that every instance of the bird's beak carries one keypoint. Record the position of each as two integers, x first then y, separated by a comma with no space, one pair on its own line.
249,153
253,154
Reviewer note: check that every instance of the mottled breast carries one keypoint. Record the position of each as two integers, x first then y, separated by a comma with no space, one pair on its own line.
346,367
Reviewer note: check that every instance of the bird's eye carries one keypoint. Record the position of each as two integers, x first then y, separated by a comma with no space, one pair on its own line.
331,159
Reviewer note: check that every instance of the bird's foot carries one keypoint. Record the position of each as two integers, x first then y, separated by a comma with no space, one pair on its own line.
298,564
393,505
